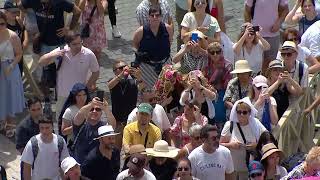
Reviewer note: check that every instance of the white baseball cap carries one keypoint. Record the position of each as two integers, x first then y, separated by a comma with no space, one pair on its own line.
68,163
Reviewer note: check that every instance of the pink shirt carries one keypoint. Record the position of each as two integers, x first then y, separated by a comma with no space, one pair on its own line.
266,14
75,69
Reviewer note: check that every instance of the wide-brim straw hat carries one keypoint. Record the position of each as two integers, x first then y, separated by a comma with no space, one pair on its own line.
269,149
241,66
162,149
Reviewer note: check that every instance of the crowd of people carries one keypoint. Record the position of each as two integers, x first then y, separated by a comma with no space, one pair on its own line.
206,112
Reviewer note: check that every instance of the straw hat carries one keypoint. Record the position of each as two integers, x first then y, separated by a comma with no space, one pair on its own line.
162,149
241,66
289,45
269,149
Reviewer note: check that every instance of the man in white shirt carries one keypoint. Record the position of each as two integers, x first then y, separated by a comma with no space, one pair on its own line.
211,159
311,39
43,154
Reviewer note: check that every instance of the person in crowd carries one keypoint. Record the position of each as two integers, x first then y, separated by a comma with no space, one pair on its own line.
241,134
211,159
305,18
199,92
270,18
44,151
256,171
136,169
271,158
137,148
311,38
251,46
112,12
159,116
208,26
124,87
104,160
71,169
281,86
180,129
184,170
304,54
193,54
195,141
309,167
78,97
85,127
11,87
296,69
73,62
216,10
3,173
30,125
265,138
238,87
162,163
182,7
143,11
265,104
218,74
97,39
141,131
15,23
152,43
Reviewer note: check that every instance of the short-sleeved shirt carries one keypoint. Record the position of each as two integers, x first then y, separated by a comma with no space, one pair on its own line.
75,69
132,135
311,39
49,21
205,166
303,54
295,74
261,108
143,11
47,158
146,176
266,14
24,131
97,166
70,113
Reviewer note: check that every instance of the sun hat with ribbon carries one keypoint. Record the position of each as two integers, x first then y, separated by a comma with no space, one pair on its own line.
269,149
104,131
241,66
162,149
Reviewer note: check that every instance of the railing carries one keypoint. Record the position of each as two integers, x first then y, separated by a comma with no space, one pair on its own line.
296,130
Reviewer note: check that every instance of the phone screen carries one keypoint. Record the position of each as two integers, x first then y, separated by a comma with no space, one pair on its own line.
255,28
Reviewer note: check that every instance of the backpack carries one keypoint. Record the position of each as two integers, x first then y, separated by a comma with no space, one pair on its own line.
35,148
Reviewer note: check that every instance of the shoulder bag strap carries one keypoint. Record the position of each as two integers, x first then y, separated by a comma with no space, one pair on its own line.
91,13
242,135
77,136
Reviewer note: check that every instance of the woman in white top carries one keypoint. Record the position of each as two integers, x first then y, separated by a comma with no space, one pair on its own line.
199,18
184,170
250,47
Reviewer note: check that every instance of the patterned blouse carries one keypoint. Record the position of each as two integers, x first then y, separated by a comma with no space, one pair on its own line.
298,173
191,61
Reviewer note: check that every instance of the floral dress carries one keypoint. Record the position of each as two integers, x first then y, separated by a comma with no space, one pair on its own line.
98,38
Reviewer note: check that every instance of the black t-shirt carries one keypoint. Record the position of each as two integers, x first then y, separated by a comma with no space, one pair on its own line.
165,171
17,28
281,95
96,166
50,19
124,99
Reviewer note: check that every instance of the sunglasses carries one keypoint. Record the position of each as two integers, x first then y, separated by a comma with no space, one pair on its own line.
183,169
96,109
254,175
215,52
155,15
242,112
261,87
289,54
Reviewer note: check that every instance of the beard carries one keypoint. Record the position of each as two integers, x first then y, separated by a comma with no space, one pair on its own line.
109,146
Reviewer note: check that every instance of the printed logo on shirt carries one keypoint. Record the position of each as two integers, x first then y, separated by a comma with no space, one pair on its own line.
211,165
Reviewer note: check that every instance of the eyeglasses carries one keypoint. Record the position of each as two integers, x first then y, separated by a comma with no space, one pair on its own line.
96,109
196,138
242,112
255,175
2,24
215,52
288,54
183,169
155,15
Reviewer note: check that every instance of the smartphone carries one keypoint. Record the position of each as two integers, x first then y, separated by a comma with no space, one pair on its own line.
134,64
255,28
100,95
194,37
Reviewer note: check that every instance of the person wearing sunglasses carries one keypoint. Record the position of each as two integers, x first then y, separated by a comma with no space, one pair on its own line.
85,127
297,70
256,171
184,170
251,46
241,133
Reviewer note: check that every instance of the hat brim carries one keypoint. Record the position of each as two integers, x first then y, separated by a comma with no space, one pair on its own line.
275,66
261,85
239,71
288,48
113,134
70,166
145,111
255,171
173,152
271,152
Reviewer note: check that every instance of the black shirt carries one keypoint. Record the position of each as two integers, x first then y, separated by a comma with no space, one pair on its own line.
165,171
24,131
124,98
98,167
49,18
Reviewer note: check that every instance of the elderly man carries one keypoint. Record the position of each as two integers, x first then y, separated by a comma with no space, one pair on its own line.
104,160
141,131
74,62
85,129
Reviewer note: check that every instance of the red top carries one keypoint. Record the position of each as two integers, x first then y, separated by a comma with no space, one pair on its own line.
214,12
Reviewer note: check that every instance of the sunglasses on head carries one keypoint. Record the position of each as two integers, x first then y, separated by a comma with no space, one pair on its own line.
254,175
96,109
287,54
242,112
183,169
215,52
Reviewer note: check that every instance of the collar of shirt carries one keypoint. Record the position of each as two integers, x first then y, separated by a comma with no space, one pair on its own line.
136,128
